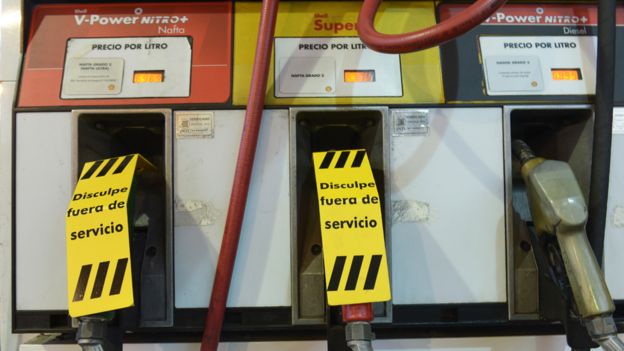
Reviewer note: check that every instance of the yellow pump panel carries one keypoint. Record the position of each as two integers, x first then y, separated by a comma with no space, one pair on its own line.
421,76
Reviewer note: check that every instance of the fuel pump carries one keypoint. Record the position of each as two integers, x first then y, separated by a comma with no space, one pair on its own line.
230,101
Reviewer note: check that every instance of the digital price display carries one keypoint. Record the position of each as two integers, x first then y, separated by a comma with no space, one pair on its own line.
566,74
148,77
359,76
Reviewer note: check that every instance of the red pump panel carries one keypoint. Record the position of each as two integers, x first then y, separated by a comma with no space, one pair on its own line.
207,25
537,14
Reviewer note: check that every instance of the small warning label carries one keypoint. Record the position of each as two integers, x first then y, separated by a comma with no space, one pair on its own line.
354,251
194,124
410,122
98,236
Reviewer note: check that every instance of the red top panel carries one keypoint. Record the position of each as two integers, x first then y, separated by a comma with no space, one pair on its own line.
537,14
208,24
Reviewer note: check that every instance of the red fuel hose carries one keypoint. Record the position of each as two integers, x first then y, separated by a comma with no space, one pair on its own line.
424,38
242,177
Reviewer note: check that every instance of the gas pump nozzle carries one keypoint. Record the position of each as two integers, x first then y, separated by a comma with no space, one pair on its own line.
558,209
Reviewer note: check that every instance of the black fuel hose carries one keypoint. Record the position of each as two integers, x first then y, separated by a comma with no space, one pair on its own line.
603,118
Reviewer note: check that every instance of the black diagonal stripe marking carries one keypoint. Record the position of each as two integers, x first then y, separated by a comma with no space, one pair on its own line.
123,164
120,272
359,157
100,278
342,160
373,270
92,170
109,164
81,286
329,156
334,280
354,273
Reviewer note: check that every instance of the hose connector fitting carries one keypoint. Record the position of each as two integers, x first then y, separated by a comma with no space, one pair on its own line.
603,331
522,151
359,336
93,333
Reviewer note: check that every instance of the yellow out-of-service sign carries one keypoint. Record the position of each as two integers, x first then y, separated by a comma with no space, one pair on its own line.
354,251
99,275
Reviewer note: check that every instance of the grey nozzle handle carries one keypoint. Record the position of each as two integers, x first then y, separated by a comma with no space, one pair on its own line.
586,279
558,207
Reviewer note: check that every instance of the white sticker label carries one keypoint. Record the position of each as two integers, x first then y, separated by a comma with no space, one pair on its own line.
139,67
410,122
539,65
307,75
513,73
194,124
318,67
618,122
93,76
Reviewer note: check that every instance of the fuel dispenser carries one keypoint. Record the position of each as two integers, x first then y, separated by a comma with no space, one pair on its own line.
546,284
170,81
90,74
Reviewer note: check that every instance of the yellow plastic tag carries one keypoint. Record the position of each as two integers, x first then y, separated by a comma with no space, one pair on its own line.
99,277
354,251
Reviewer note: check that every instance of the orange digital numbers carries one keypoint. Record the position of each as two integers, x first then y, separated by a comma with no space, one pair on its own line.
566,74
148,77
359,76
